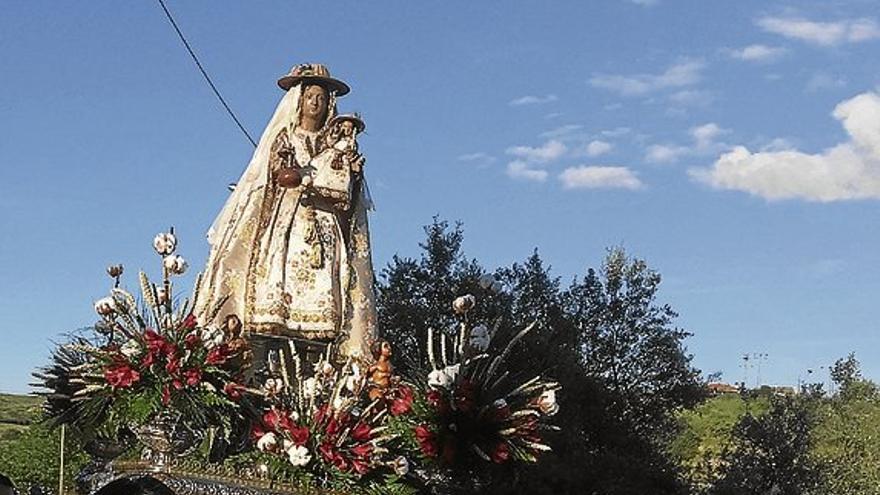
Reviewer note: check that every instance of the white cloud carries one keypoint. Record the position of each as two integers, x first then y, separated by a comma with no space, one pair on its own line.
598,177
684,73
704,135
691,97
847,171
598,147
562,131
664,153
518,169
616,132
758,53
821,81
822,33
479,158
551,150
532,100
645,3
704,142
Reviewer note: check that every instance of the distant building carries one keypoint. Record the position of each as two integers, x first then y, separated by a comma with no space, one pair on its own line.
718,388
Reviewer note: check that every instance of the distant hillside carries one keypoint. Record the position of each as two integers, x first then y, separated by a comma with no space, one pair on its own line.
16,411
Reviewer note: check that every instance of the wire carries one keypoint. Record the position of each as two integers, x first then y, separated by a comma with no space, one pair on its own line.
204,73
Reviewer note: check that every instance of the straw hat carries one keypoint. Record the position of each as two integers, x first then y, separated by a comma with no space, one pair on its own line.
313,73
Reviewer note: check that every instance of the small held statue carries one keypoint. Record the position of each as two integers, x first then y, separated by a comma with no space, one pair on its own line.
290,250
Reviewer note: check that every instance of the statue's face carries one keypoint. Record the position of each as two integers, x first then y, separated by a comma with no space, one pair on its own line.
314,103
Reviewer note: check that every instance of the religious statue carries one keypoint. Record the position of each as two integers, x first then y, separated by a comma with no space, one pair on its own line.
290,251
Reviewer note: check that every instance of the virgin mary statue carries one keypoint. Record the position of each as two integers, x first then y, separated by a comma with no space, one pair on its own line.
290,250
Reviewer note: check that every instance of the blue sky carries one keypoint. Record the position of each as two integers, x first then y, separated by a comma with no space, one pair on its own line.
733,145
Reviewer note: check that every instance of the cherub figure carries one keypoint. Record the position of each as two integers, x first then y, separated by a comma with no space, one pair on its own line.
381,371
239,348
342,136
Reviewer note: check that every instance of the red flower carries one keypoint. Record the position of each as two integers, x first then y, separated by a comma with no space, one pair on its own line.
423,433
173,365
429,448
299,434
218,355
402,404
328,452
427,442
166,395
360,467
363,450
121,376
362,432
501,453
193,377
155,342
189,322
271,418
177,384
438,401
149,360
321,413
233,390
192,340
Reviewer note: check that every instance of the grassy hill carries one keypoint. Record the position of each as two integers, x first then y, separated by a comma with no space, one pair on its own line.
16,411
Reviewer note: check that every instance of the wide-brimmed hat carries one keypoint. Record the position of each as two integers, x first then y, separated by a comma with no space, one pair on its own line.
314,73
351,117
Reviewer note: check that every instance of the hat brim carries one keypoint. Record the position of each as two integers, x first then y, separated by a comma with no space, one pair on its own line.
339,87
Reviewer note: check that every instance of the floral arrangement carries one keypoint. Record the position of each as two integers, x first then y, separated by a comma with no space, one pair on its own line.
330,424
145,361
151,370
475,410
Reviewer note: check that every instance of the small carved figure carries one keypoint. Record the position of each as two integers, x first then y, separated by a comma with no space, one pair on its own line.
381,371
238,345
341,135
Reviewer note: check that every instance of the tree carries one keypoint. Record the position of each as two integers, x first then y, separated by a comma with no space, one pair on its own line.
629,341
619,358
847,436
771,453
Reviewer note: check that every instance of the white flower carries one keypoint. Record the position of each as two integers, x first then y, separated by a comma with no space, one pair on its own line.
310,388
212,336
267,442
130,348
327,368
443,378
463,304
400,466
294,416
479,338
175,264
165,243
486,281
547,403
105,306
298,455
263,468
338,403
273,386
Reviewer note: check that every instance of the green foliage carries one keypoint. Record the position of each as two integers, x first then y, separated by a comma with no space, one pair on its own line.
706,433
771,453
619,358
848,433
32,457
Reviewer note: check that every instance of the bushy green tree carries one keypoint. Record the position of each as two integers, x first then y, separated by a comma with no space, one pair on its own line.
620,359
847,433
771,453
